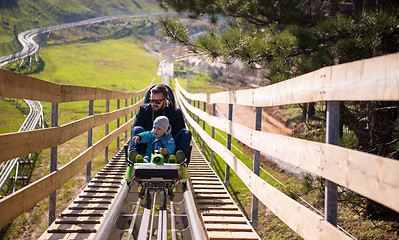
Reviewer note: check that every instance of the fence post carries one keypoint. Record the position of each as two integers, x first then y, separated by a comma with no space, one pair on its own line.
198,106
131,103
203,127
191,115
136,99
213,133
227,169
53,163
189,102
256,166
126,121
89,142
332,137
118,105
188,87
106,130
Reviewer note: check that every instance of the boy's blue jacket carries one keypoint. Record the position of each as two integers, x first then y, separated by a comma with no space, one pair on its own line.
149,138
145,117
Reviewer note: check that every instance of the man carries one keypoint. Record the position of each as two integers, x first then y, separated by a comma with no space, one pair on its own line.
160,106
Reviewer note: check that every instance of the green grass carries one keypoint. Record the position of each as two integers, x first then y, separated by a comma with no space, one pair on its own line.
110,64
22,15
10,117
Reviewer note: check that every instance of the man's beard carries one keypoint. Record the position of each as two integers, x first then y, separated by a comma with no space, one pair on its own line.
159,109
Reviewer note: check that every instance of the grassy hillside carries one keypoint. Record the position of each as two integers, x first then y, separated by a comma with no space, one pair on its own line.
11,117
21,15
111,64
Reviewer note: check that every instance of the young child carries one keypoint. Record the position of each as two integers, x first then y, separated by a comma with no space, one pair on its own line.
161,130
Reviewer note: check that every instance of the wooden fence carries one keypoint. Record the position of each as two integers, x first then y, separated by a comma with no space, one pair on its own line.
13,85
372,176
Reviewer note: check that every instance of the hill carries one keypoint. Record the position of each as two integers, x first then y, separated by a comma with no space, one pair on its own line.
21,15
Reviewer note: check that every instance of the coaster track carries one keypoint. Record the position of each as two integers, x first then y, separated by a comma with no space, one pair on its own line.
31,47
108,208
135,212
19,169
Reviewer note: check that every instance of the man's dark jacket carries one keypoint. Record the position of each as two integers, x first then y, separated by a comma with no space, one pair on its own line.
145,117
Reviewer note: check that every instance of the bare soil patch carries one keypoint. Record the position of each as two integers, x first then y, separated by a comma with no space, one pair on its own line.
245,116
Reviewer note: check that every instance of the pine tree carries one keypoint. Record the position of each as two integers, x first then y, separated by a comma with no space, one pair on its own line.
289,38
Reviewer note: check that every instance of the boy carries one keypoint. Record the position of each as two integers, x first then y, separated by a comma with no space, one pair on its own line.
161,131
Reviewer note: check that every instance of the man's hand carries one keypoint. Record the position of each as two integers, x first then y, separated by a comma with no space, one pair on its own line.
136,138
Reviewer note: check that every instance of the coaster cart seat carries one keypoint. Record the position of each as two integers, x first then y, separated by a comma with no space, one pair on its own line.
171,98
157,174
158,170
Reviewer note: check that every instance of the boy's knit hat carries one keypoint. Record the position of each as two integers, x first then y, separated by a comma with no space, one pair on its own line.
163,123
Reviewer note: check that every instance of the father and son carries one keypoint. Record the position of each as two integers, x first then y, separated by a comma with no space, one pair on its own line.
159,120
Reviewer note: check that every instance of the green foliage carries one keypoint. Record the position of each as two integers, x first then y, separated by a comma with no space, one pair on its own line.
285,39
258,12
363,36
208,43
27,67
174,27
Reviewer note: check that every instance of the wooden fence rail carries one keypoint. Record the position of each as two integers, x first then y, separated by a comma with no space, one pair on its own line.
299,218
36,140
367,174
375,177
375,79
15,85
24,199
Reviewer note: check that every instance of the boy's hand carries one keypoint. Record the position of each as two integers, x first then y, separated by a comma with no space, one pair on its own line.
163,151
136,139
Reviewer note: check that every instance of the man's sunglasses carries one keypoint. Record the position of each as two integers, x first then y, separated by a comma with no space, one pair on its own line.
156,101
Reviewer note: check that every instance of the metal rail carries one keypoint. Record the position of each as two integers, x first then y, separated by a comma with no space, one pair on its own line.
153,214
11,171
144,213
108,208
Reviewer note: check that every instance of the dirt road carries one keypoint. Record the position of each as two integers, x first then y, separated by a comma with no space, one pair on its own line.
245,116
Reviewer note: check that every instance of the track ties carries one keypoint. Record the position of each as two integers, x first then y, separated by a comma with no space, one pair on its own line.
84,215
221,217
